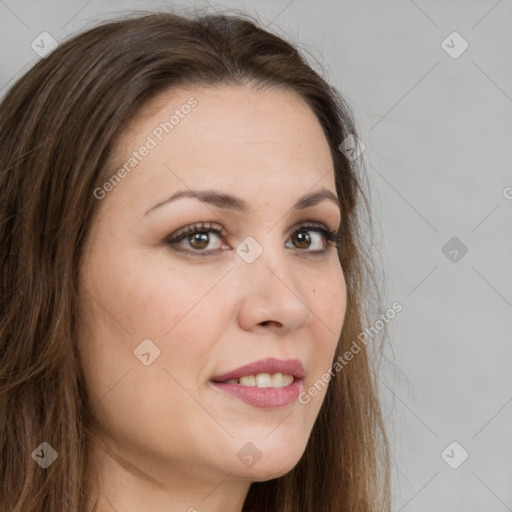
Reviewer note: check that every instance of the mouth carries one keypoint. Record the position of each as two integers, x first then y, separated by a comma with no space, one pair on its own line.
266,384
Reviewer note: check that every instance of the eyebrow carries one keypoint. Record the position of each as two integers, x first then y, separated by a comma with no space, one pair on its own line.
230,202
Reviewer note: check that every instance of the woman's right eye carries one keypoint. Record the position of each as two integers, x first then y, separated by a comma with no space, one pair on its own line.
198,238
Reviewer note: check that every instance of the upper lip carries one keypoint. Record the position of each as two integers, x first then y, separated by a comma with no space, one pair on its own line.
271,365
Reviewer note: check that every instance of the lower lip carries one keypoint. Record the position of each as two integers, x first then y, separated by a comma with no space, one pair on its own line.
264,398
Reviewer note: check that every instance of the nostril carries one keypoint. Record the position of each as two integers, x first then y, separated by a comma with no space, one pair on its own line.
267,322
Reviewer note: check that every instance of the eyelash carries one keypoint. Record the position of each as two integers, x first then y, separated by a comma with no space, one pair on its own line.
332,238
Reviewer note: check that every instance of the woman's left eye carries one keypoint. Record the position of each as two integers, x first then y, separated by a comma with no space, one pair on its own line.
198,236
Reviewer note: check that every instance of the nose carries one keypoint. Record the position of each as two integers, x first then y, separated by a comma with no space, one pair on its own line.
273,292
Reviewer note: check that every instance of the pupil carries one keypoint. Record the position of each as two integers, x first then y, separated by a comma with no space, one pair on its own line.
201,238
304,238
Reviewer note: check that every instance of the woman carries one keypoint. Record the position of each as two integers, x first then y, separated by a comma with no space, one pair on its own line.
182,268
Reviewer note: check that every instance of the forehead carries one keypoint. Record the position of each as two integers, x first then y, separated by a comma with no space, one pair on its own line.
239,137
237,114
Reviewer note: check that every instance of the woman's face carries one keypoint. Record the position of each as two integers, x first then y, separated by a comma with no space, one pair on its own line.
162,320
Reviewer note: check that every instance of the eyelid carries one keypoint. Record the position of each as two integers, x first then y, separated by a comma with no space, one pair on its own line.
206,225
199,226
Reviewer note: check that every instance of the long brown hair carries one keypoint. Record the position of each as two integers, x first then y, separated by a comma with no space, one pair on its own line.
58,127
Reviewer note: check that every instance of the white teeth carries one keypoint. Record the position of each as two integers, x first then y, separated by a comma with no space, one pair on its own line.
264,380
277,380
287,379
249,380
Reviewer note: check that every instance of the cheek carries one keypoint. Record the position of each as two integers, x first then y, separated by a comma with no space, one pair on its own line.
330,300
181,309
151,295
179,304
329,305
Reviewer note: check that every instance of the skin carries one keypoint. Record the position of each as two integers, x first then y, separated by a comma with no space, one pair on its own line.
165,439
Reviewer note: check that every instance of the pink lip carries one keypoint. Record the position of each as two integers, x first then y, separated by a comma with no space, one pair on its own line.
264,398
271,365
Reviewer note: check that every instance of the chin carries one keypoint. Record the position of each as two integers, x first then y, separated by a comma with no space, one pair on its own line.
264,475
273,466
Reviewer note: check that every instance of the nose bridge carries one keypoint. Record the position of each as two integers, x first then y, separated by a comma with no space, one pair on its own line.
267,258
272,290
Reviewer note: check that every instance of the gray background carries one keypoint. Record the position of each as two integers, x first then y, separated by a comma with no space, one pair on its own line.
437,136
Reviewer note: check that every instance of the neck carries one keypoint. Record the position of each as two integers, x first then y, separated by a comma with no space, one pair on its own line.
120,482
